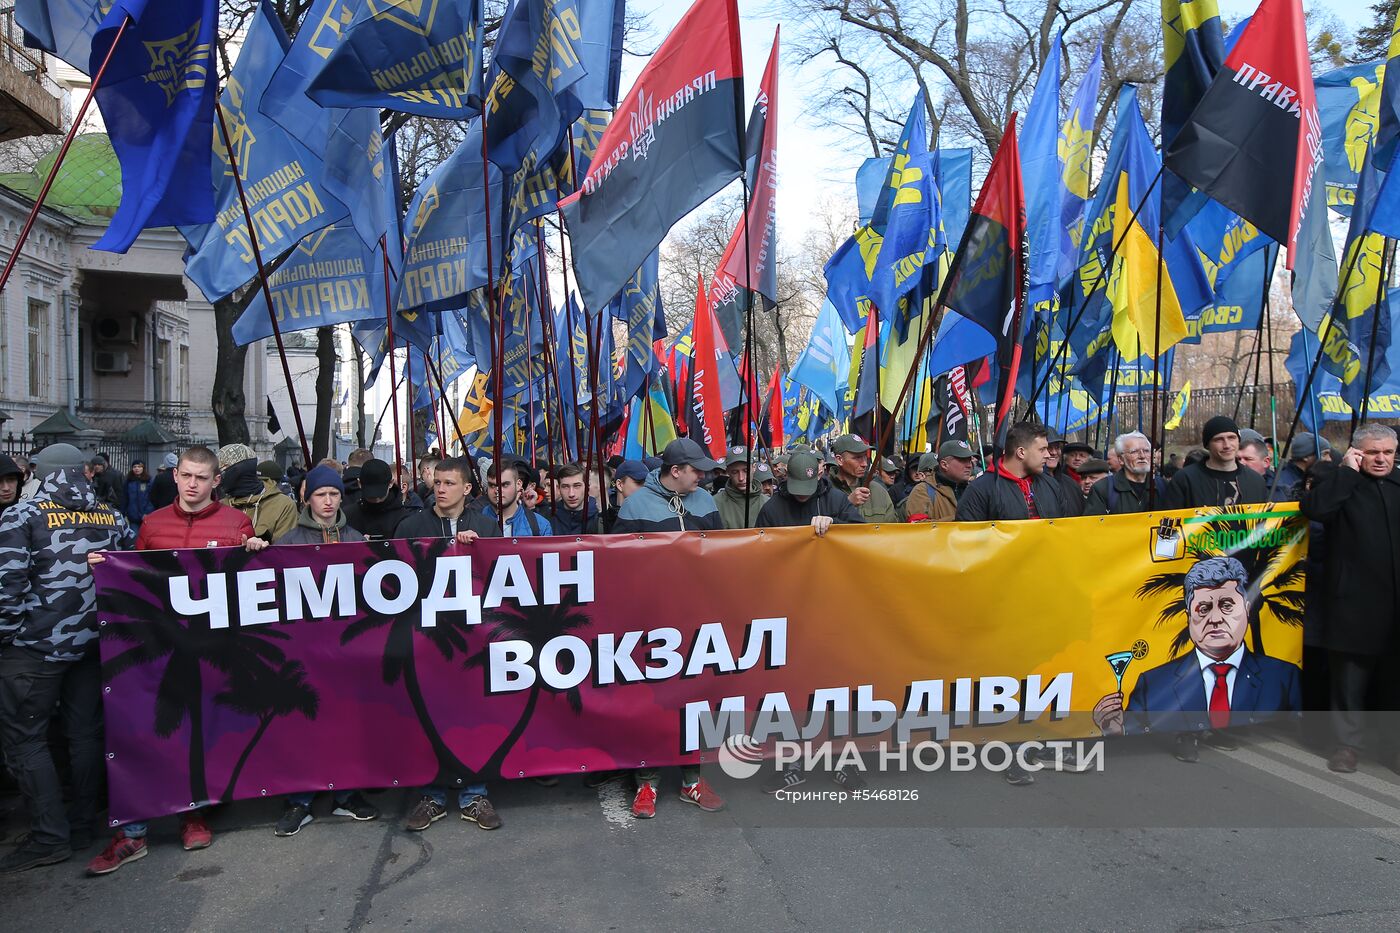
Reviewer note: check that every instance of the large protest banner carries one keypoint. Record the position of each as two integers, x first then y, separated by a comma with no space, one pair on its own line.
395,664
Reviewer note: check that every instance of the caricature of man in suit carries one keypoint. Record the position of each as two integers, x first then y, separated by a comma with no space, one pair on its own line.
1218,684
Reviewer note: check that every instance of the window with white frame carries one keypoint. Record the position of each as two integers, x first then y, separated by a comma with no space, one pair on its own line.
38,348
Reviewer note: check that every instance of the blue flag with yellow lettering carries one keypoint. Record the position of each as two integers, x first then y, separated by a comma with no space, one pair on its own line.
348,141
1041,175
422,58
639,304
446,252
824,366
282,178
1076,144
157,101
1360,312
331,277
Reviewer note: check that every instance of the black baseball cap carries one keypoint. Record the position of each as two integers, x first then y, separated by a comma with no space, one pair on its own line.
683,451
375,479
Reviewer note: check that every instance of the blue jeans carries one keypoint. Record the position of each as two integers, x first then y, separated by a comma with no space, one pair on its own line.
464,796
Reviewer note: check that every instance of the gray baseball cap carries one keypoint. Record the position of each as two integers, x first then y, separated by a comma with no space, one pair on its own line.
803,474
959,449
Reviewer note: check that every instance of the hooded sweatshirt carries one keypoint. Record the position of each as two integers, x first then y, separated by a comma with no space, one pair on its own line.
47,597
378,520
248,491
738,509
656,508
310,531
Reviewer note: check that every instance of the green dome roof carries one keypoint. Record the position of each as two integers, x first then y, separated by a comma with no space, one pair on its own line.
88,186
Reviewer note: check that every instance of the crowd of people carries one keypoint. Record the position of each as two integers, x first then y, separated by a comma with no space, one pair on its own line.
63,511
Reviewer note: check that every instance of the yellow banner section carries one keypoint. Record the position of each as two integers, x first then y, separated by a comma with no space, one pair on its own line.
1030,628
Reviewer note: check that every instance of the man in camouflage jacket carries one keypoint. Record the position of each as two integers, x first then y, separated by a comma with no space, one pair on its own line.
48,650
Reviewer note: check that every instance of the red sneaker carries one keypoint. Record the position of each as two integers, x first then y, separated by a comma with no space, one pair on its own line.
118,852
703,796
194,833
644,804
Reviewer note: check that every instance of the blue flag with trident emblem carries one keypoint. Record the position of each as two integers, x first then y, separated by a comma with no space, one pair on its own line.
906,215
157,101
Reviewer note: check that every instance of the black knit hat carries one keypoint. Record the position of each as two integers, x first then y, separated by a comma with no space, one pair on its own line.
1220,424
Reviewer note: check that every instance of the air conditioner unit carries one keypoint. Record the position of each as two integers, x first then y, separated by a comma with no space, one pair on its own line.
111,361
120,329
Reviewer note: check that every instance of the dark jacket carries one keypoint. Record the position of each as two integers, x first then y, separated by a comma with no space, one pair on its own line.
163,491
1172,696
1290,483
785,511
427,523
108,486
138,500
378,520
564,521
47,599
310,531
1198,486
992,497
656,508
215,525
1071,495
1362,568
1117,495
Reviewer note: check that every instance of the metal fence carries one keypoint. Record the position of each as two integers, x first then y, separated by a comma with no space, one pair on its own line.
29,62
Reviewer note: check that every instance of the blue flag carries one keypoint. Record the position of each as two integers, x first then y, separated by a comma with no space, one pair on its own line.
824,366
348,141
282,178
331,277
157,101
1348,104
1076,144
422,58
1239,300
639,305
536,61
1325,402
1041,176
906,216
446,251
63,28
1359,313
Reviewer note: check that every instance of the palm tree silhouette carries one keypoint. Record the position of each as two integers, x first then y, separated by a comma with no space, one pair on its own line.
187,647
1275,582
536,625
267,695
448,636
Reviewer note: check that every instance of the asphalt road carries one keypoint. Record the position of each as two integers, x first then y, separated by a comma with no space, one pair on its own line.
1262,838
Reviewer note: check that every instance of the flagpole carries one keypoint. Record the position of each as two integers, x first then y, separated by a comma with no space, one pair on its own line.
412,397
435,372
1258,347
1084,300
1312,370
546,344
497,317
1310,398
62,153
1358,417
393,371
1273,398
1156,368
262,281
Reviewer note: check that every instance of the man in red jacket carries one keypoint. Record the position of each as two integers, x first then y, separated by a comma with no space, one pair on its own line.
193,520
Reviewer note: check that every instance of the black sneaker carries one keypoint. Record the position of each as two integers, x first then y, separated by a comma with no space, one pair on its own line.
80,838
424,814
480,812
785,779
1017,776
292,820
848,778
357,808
29,854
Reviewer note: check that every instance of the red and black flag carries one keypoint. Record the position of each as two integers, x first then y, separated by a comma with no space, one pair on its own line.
705,420
673,142
988,278
753,266
1254,142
